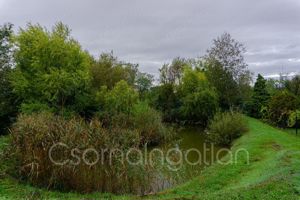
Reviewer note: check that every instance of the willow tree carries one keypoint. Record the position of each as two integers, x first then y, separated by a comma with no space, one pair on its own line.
51,70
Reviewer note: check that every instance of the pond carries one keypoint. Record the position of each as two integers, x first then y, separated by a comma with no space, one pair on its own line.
192,153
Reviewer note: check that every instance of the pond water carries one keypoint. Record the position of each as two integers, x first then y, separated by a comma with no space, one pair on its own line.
193,154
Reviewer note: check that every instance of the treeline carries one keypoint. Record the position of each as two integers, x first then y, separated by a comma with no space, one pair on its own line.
44,70
276,101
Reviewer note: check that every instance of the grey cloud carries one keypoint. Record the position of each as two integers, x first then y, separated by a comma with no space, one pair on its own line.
153,32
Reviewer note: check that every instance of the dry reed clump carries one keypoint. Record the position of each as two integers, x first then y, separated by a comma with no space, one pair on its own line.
34,135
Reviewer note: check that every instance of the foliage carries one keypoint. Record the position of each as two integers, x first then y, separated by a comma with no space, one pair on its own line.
144,82
166,100
8,101
120,99
226,87
260,97
294,118
228,70
108,70
280,107
34,107
293,85
268,148
149,124
51,68
172,73
226,127
273,86
198,99
229,53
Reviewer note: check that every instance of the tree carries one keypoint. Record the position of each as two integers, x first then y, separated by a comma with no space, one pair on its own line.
144,83
108,70
51,69
260,97
166,101
199,101
227,56
120,99
293,85
229,53
273,86
222,80
8,103
172,73
280,107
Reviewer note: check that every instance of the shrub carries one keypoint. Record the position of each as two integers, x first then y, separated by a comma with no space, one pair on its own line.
34,135
225,127
149,124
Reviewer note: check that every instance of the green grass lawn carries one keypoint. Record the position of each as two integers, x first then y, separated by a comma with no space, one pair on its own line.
273,173
292,131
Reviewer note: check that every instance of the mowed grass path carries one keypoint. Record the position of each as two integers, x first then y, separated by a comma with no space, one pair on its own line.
273,173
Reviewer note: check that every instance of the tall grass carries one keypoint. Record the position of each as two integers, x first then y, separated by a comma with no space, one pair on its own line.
34,135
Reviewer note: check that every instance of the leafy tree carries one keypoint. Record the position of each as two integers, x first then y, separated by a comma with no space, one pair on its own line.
280,107
167,101
199,100
8,103
120,99
222,80
51,69
172,73
293,85
273,86
229,53
227,56
108,70
144,83
260,97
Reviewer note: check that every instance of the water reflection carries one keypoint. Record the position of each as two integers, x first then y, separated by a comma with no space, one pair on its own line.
197,154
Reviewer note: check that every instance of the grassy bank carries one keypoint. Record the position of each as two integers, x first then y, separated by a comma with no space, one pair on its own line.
273,173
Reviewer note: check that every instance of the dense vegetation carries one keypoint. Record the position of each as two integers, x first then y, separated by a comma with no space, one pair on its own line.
225,127
53,91
276,102
34,135
273,173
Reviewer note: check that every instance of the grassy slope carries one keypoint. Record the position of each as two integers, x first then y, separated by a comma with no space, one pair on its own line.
273,173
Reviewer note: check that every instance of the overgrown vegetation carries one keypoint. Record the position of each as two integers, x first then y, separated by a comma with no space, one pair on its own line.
276,102
61,93
34,135
269,148
224,128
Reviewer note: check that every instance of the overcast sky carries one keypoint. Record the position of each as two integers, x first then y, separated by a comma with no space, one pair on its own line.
152,32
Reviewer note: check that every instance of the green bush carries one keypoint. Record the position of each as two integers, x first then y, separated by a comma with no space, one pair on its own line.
226,127
149,124
280,107
34,135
